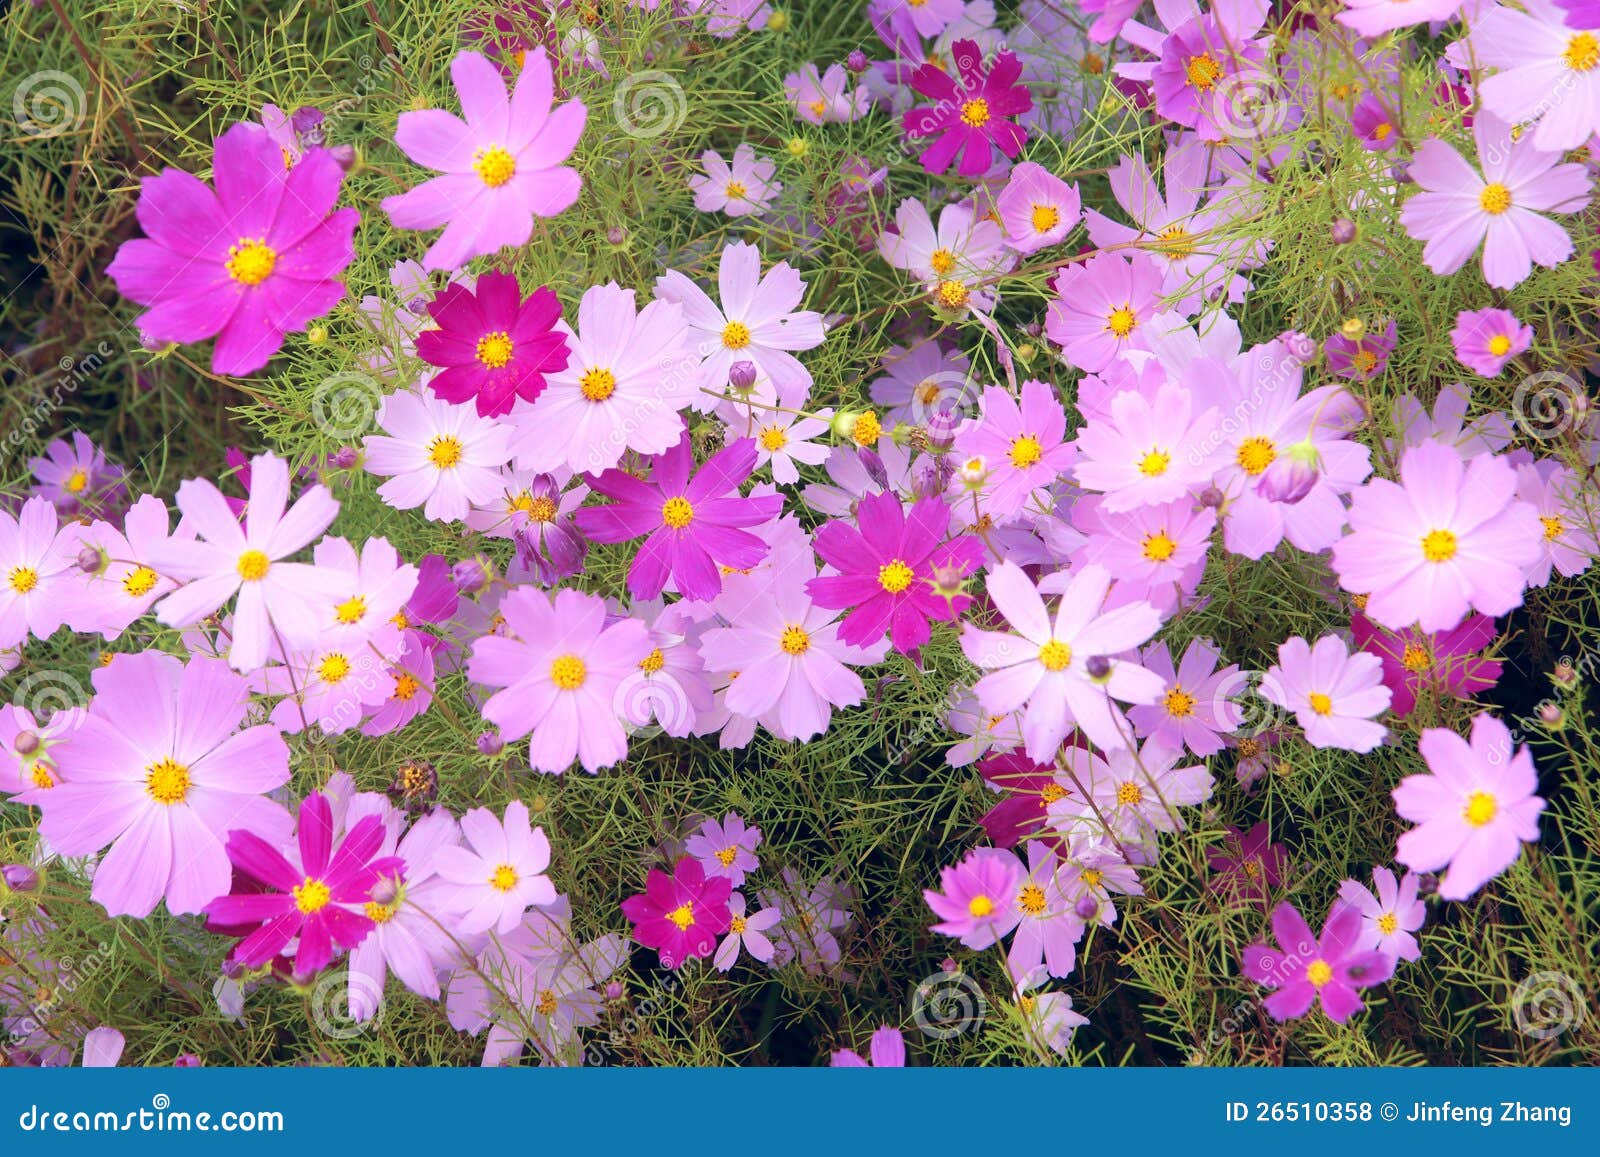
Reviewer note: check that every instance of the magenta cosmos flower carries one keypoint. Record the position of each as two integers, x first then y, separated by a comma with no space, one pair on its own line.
1448,538
560,671
1486,339
892,566
229,559
493,346
692,524
159,770
321,899
973,113
979,900
1248,864
1501,208
1336,696
246,264
502,165
1473,811
680,915
1304,969
1417,663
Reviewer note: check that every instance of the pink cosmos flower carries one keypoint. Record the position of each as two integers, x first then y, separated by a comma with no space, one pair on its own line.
756,322
406,690
1390,917
320,897
1017,449
1128,797
747,930
1374,17
692,524
1447,424
1474,809
1037,208
32,747
1149,450
1099,305
726,847
1203,62
979,898
630,372
78,480
1048,926
973,112
536,511
1545,73
499,873
1157,552
1304,969
958,259
286,598
560,671
437,455
493,346
1363,357
1064,668
502,166
680,915
744,188
1195,709
1569,513
109,599
923,379
1448,538
1502,208
1486,339
374,587
159,770
34,574
1416,663
246,264
887,571
784,441
824,98
888,1047
1336,696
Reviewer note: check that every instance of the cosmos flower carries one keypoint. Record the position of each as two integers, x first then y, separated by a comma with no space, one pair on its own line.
1197,706
1148,450
1416,663
497,874
825,98
888,1047
726,847
978,900
246,264
1363,356
1304,969
747,930
1021,446
680,915
1474,809
440,456
1099,306
1336,696
502,165
78,480
973,112
1391,916
957,260
1037,208
492,345
744,188
33,574
1544,72
1486,339
1249,864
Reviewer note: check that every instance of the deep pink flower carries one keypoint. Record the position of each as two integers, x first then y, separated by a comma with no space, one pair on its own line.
979,901
320,899
1249,863
1361,358
692,523
1303,969
680,915
891,569
1414,662
973,113
246,264
1486,339
493,345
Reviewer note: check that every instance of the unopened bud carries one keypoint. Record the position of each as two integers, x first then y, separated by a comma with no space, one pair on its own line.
20,878
187,1061
1343,231
1292,475
344,458
613,990
1551,715
1087,908
1097,667
490,743
471,575
857,61
386,891
89,560
306,119
1565,674
344,156
26,743
741,376
1211,497
1353,328
616,235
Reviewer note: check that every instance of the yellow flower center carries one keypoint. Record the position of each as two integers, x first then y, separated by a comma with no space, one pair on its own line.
598,384
539,509
494,349
77,481
1256,454
895,576
139,582
1055,655
1319,973
677,512
444,452
1320,703
1495,199
1175,240
735,191
494,165
1250,868
352,610
1129,794
568,672
1155,463
1414,657
1121,321
251,261
682,916
1387,923
1031,899
735,335
726,856
1439,546
1159,547
794,640
1051,792
1500,345
167,781
1025,451
547,1004
406,687
1179,703
1553,527
1045,218
312,896
975,113
953,294
866,430
333,668
738,925
1481,809
23,579
1363,361
253,565
1202,72
980,906
1092,876
1583,52
503,878
653,662
773,439
942,261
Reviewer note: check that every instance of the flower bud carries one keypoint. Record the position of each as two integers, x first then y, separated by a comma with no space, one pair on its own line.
741,376
616,235
857,61
1565,674
385,891
344,458
872,461
1551,715
344,156
1353,328
1087,908
187,1061
1098,667
614,990
20,878
1343,231
307,119
490,743
1211,497
471,575
1292,474
89,560
26,743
